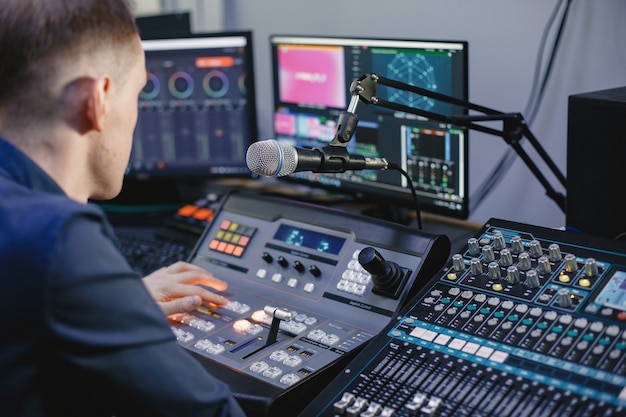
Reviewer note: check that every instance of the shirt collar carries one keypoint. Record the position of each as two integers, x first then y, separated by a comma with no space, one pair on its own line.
16,166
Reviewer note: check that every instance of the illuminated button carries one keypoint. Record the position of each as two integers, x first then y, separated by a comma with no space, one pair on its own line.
584,282
238,251
277,278
213,244
235,238
219,235
472,307
563,277
227,237
452,276
221,246
497,287
225,224
309,287
230,248
292,283
542,326
233,227
243,241
242,325
279,355
527,322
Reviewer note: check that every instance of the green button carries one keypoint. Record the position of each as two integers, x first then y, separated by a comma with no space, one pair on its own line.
543,325
472,307
527,322
513,318
573,333
445,300
458,304
605,341
557,329
498,314
620,345
589,337
485,310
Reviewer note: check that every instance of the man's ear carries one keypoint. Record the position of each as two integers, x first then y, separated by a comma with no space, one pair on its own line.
96,102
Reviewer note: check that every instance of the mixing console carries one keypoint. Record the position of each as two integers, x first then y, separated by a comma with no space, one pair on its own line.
527,321
308,288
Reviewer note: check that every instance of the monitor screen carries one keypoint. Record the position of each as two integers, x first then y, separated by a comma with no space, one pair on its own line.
312,77
197,112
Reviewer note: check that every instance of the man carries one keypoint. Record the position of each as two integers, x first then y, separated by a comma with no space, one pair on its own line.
80,333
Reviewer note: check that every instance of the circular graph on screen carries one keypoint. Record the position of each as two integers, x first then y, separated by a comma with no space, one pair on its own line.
181,85
415,70
215,84
151,89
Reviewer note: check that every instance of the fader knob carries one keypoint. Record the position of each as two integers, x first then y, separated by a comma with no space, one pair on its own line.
563,298
494,270
554,252
535,249
570,263
498,241
591,267
523,261
488,254
473,246
532,279
512,274
457,263
516,245
506,259
476,267
543,265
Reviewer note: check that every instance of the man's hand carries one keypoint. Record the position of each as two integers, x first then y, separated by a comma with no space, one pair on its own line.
174,287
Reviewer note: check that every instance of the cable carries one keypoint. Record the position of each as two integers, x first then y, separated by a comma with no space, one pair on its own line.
532,105
418,210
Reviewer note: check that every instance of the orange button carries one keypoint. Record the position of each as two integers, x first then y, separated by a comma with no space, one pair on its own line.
213,244
203,214
214,61
221,247
621,316
238,251
229,248
187,210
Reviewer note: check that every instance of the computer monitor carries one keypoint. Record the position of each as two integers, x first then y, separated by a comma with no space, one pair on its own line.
312,76
197,113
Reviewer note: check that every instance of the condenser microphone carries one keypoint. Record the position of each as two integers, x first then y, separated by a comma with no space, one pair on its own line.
272,158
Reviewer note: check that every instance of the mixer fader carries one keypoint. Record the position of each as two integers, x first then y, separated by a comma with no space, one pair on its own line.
308,288
526,321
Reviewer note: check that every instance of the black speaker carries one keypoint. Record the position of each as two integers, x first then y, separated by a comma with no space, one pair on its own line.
596,163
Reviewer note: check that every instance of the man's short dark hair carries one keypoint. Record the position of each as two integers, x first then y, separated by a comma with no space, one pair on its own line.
36,34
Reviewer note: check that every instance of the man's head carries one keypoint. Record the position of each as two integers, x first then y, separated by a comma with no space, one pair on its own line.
77,64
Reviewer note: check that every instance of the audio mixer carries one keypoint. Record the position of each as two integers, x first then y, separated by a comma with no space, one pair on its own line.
309,286
526,321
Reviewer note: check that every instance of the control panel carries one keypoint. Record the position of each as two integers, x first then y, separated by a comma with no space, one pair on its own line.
308,288
526,321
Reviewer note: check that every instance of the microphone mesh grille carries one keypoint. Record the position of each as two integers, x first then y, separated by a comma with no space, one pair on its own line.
271,158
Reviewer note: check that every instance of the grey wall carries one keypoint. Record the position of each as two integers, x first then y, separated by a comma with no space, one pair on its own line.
504,38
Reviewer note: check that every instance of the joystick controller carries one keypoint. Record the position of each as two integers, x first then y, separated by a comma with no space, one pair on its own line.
388,277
